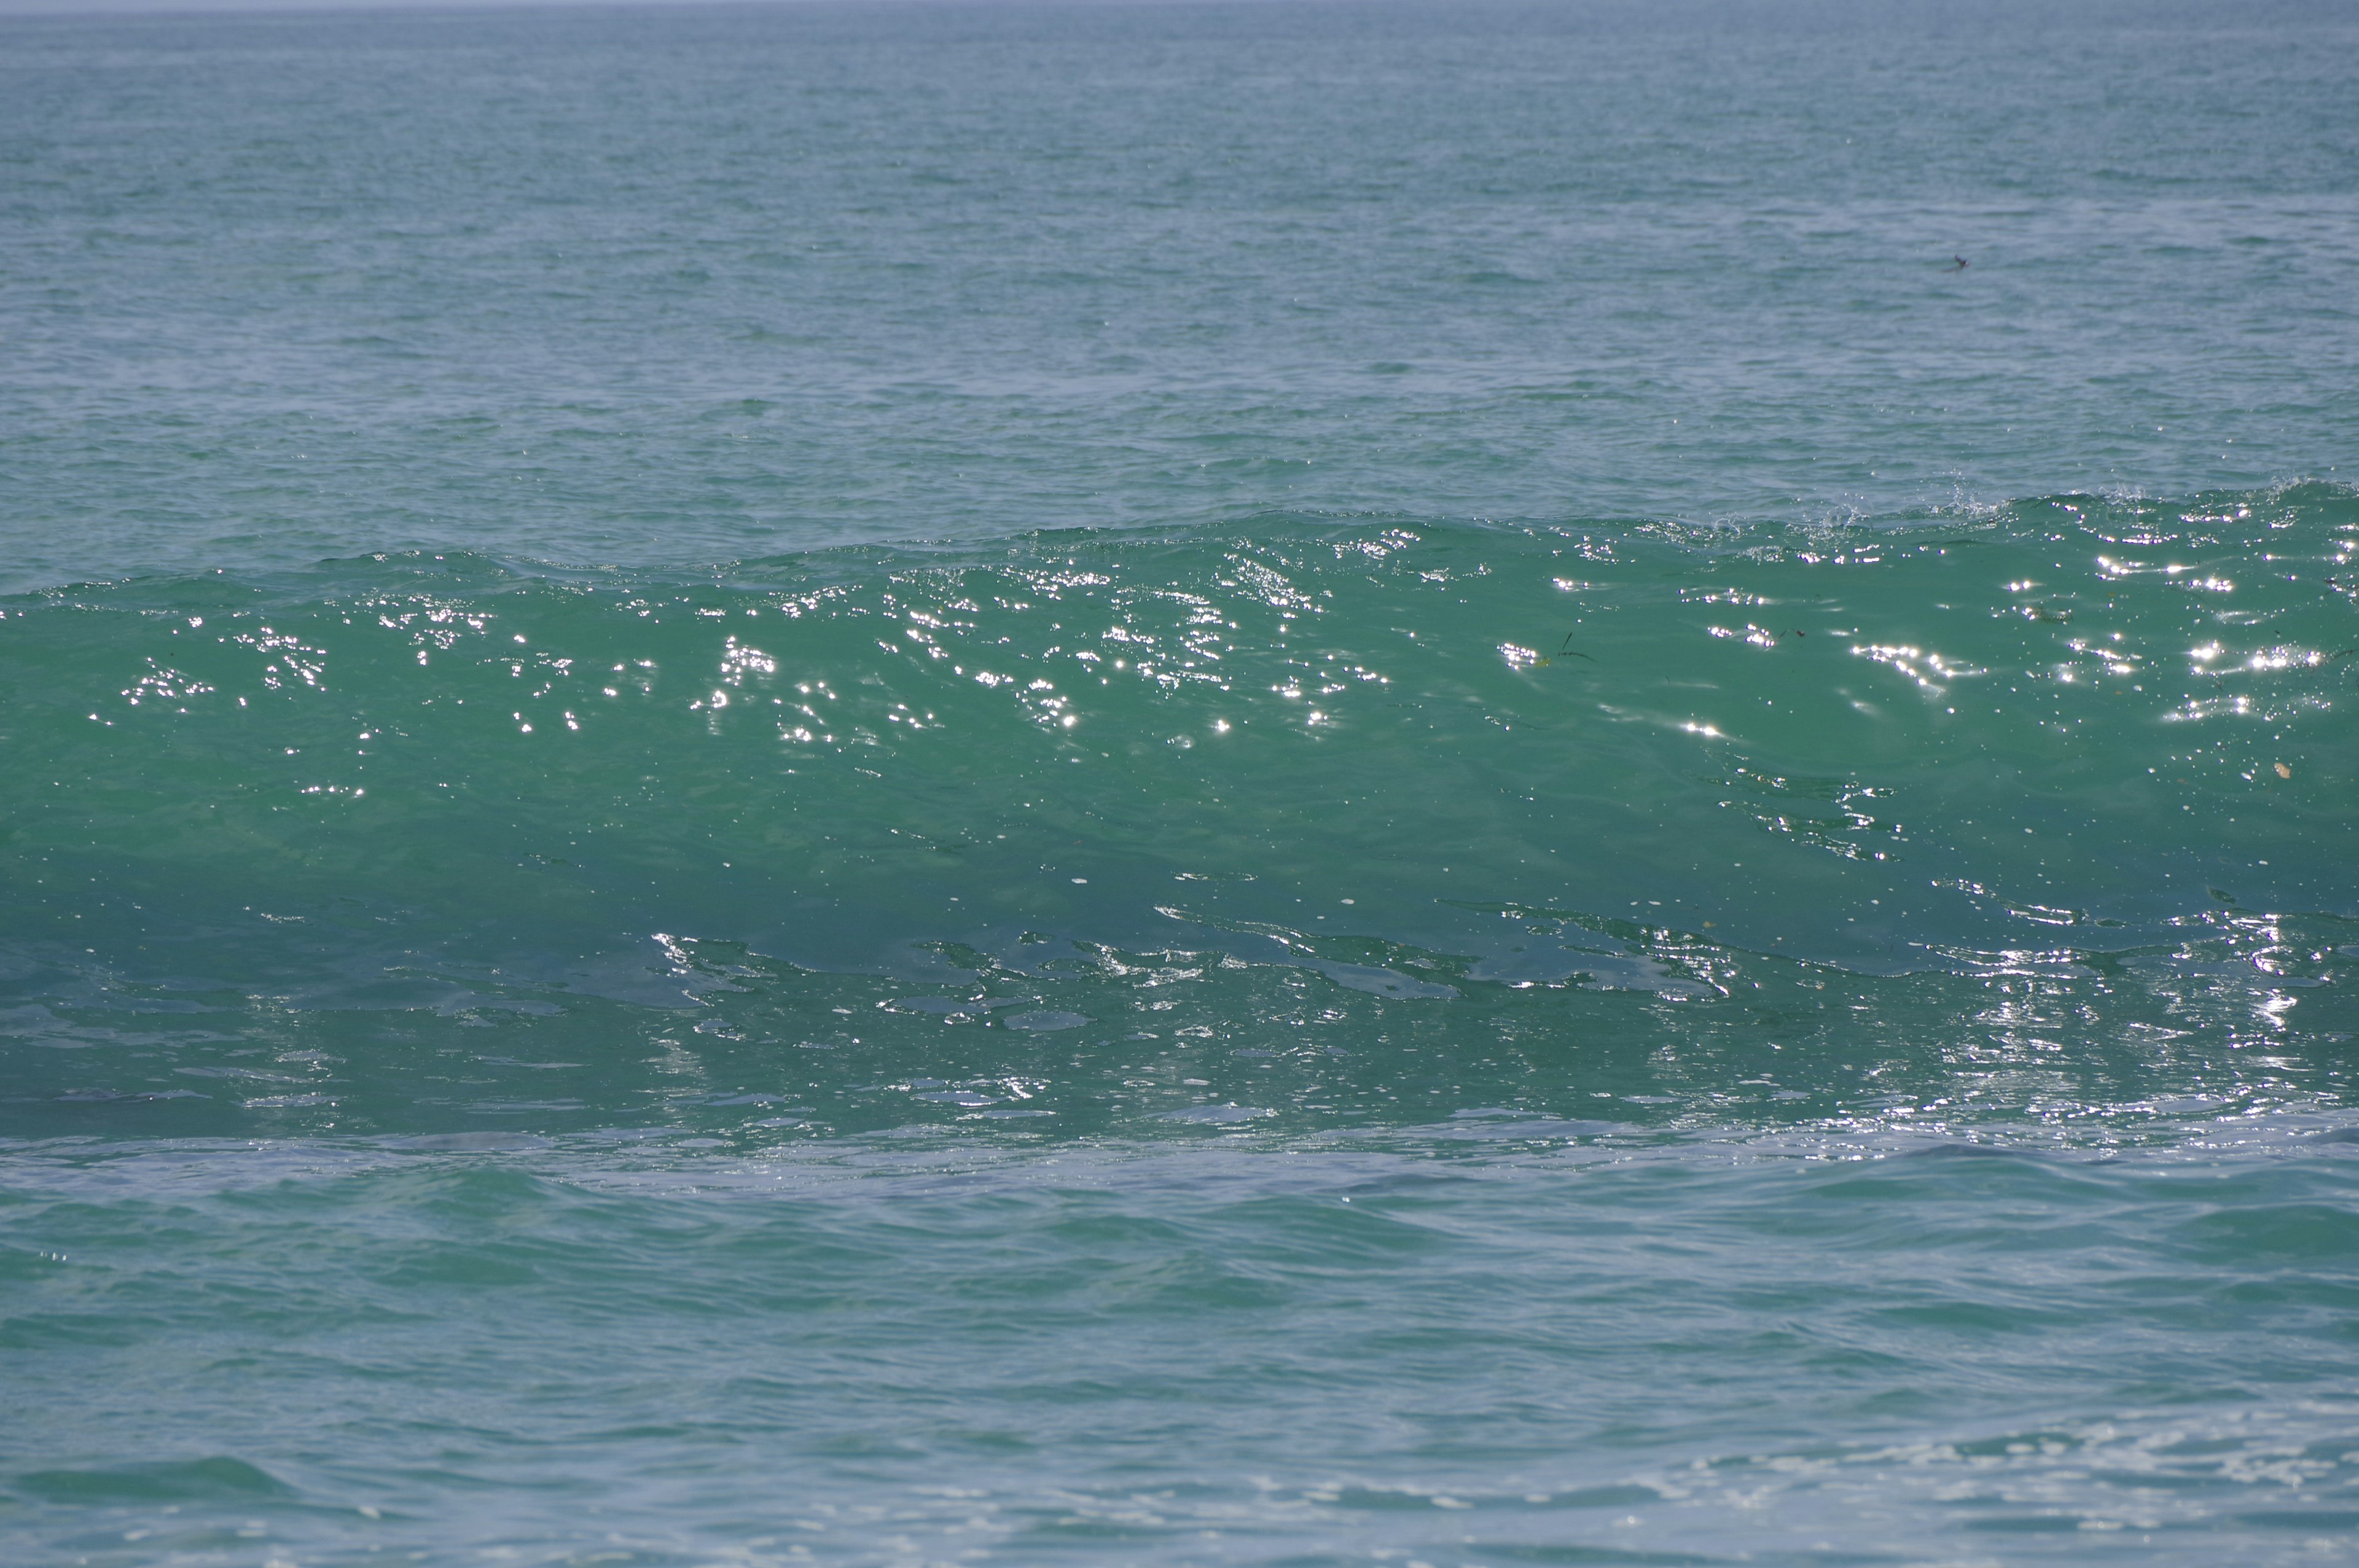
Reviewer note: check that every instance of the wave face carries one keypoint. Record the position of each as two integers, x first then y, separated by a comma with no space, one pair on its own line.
1297,789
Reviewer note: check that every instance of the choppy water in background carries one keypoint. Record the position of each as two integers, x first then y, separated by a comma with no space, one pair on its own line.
1266,785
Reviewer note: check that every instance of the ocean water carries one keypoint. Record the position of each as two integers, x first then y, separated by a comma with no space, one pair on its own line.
1270,784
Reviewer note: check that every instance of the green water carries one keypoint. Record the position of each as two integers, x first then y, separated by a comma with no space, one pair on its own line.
1269,784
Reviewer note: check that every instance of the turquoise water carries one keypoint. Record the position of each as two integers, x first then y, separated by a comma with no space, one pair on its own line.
1273,785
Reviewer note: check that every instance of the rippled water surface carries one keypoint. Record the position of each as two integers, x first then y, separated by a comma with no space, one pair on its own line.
1264,785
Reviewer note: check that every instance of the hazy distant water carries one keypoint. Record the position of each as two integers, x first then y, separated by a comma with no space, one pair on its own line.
663,287
1294,784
